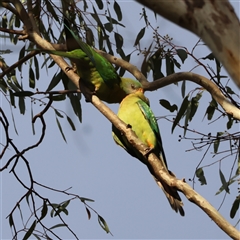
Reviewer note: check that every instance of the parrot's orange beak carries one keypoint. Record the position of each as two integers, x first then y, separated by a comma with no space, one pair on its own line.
140,90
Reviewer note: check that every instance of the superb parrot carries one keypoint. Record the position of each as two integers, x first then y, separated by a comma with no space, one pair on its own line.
134,110
97,72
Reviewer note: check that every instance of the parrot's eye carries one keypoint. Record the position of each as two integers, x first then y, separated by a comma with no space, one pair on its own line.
132,86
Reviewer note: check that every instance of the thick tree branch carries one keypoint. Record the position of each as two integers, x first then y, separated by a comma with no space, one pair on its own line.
211,87
213,21
200,80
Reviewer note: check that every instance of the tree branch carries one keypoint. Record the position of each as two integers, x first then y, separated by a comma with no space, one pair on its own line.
211,87
213,21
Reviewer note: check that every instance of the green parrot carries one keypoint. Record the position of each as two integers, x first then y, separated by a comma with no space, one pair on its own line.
97,72
135,111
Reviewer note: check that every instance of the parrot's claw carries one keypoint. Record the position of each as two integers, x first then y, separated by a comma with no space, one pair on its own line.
68,69
148,150
129,126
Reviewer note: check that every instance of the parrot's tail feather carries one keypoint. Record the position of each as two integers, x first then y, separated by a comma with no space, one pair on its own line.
172,196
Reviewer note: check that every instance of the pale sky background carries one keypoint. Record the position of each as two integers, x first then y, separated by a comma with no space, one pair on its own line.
125,194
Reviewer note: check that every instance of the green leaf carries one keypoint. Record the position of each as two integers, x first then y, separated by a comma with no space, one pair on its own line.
182,54
235,207
88,213
60,129
21,55
12,99
11,222
71,123
31,78
217,142
59,97
169,65
139,36
54,82
194,105
229,90
103,224
201,177
100,4
58,113
33,129
65,204
117,10
83,199
36,67
51,10
230,122
211,109
44,210
76,106
167,105
118,40
176,63
30,230
21,104
58,225
223,180
209,56
181,112
183,88
23,94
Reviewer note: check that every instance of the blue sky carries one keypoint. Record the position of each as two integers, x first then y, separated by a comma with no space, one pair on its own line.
95,167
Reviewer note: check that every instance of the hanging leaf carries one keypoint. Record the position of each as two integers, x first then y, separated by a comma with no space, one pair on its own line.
76,106
58,225
117,10
235,207
169,65
194,105
181,112
209,56
201,177
217,142
182,54
139,36
71,123
60,129
36,67
30,230
88,213
183,88
58,113
223,180
31,78
23,94
51,10
167,105
118,40
100,4
44,210
103,224
54,82
21,104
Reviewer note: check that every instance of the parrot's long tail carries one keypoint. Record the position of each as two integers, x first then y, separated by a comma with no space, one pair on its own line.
172,196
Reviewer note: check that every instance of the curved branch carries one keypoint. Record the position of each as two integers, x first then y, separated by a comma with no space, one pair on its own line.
200,80
162,174
212,88
213,21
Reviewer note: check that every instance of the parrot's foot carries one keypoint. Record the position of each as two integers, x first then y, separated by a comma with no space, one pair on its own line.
86,92
68,69
148,150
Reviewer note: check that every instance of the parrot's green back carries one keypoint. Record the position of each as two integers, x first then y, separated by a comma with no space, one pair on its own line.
97,72
135,111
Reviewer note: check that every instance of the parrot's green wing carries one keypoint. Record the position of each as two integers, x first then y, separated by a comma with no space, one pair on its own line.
92,61
134,110
149,116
